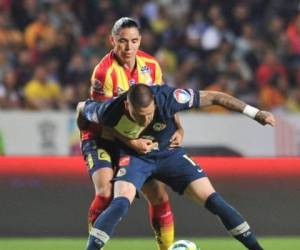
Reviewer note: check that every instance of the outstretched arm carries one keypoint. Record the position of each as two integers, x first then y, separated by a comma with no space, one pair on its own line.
208,98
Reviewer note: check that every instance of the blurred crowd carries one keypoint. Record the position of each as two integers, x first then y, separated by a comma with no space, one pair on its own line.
250,49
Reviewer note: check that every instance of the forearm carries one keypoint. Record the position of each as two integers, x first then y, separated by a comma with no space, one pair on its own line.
229,102
118,136
208,98
177,121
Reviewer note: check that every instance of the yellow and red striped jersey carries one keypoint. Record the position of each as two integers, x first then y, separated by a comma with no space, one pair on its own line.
112,78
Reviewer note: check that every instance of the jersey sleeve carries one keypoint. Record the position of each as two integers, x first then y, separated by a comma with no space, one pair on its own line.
179,99
94,111
102,86
158,74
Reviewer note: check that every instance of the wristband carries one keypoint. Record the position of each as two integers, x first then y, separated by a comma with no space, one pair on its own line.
250,111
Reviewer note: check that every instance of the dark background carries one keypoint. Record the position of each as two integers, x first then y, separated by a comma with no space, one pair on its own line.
57,206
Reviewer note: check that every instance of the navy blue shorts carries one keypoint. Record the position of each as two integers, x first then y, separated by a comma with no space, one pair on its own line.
99,153
173,167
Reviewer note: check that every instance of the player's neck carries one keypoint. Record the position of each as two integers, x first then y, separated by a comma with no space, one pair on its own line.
128,64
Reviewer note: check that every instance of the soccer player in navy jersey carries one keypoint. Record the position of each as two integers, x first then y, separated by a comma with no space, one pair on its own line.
148,112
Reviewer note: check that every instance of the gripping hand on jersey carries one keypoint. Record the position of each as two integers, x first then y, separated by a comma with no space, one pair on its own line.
140,145
176,139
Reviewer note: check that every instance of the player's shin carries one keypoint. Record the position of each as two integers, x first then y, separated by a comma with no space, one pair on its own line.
161,218
96,208
233,221
105,224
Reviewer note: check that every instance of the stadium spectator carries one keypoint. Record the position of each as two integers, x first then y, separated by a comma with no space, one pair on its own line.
39,30
10,97
293,102
9,36
41,93
293,32
270,68
186,28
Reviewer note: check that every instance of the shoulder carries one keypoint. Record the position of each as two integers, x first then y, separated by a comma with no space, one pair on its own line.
162,89
162,92
103,66
146,56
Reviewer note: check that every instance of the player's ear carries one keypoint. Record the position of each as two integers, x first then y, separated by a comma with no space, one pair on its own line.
126,104
112,41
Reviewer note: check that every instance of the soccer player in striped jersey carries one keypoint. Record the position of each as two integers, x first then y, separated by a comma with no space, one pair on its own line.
124,66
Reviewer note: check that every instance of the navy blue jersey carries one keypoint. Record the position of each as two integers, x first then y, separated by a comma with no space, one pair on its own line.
168,101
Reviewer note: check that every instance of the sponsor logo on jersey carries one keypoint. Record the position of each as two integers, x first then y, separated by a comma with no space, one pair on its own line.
103,155
145,70
124,161
90,161
181,96
121,172
159,126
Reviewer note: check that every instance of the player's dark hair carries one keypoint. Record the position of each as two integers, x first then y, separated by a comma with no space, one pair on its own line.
124,22
140,95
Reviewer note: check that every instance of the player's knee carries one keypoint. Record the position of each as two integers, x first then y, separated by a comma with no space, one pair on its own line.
104,190
157,194
102,182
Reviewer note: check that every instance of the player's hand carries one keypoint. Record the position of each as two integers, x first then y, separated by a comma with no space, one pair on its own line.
264,118
176,139
142,145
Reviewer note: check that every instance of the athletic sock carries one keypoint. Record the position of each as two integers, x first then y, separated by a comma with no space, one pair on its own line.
96,208
161,219
233,221
105,224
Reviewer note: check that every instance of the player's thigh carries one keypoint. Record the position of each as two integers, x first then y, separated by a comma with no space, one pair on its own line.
133,170
155,191
199,190
99,164
178,171
102,181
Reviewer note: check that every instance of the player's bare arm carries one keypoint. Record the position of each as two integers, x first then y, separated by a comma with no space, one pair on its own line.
177,137
208,98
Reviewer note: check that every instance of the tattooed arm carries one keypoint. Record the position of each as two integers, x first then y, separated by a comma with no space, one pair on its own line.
208,98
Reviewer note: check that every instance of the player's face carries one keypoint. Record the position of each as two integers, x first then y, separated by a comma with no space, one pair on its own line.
126,44
142,116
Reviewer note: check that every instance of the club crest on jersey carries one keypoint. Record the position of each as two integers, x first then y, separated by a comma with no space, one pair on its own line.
121,172
181,96
145,70
159,126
